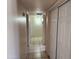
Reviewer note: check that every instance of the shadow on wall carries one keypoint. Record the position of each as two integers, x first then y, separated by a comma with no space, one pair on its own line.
22,35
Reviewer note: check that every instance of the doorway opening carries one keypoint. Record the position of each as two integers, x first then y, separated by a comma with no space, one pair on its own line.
36,33
36,37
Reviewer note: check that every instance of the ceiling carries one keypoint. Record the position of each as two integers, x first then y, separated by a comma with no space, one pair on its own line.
36,4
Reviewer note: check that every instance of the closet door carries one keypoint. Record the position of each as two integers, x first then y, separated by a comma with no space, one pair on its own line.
64,32
53,32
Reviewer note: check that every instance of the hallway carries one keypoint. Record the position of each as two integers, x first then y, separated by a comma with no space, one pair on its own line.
36,40
38,55
39,29
37,50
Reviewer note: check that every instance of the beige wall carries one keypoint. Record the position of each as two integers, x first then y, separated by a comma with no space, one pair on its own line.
47,29
36,25
51,29
63,40
57,3
23,40
53,32
12,31
64,32
16,31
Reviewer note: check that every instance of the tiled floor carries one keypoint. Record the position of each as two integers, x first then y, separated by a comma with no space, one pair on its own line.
37,49
38,55
37,52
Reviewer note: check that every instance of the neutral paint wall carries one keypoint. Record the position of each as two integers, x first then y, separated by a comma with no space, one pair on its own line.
36,25
53,32
51,25
57,3
64,32
12,31
64,25
47,29
23,40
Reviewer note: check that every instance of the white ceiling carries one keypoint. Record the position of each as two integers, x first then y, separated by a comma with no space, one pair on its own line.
36,4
